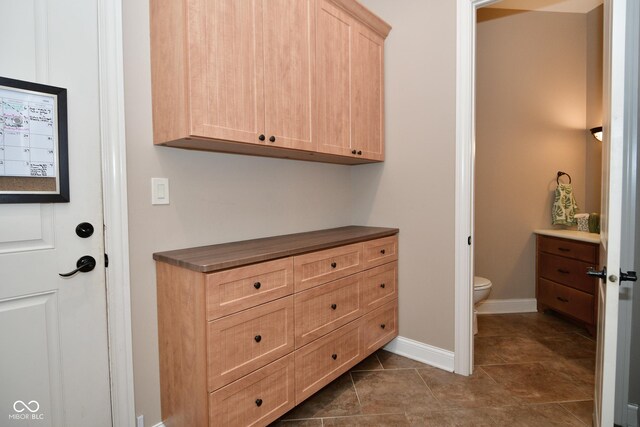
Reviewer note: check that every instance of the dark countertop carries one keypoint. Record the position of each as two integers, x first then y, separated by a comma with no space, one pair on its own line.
207,259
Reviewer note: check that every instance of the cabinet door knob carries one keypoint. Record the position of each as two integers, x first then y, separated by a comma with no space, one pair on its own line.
334,265
353,151
258,338
383,326
334,356
382,285
257,285
258,402
272,138
359,152
382,251
334,306
261,137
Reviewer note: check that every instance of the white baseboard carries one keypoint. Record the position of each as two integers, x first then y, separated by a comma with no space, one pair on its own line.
421,352
502,306
161,424
633,415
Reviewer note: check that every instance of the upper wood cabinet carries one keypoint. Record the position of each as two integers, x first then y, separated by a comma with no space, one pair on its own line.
350,94
278,78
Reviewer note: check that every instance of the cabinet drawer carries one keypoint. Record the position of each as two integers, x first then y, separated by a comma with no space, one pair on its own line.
568,248
380,251
324,266
566,271
324,308
380,286
257,399
325,359
234,290
567,300
380,326
243,342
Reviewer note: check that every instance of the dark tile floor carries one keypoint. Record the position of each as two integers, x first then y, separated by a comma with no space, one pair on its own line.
530,370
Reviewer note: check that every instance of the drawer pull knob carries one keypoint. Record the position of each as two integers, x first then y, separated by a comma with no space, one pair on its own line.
272,138
382,285
359,152
257,285
564,249
334,306
560,270
563,299
258,338
334,356
258,402
383,326
261,137
334,265
353,151
382,251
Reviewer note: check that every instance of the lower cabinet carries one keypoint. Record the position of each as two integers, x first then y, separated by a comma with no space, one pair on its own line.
242,346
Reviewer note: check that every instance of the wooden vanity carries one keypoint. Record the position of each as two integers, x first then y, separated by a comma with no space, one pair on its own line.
247,330
562,284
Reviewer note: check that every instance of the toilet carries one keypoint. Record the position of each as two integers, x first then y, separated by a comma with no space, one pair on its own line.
481,290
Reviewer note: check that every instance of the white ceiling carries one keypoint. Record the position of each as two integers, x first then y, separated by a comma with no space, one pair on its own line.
571,6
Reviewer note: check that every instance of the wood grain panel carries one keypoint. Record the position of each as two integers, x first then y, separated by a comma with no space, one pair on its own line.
226,69
568,272
582,251
324,266
235,254
380,327
324,308
237,289
368,93
289,64
257,399
182,346
233,346
380,251
333,79
325,359
380,286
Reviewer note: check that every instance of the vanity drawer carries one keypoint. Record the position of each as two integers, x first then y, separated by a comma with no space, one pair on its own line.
566,300
380,285
582,251
380,251
237,289
325,359
257,399
324,308
243,342
566,271
380,326
324,266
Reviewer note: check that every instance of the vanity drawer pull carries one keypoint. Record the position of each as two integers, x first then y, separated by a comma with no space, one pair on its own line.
560,270
334,306
334,265
258,402
382,285
382,251
383,326
258,338
562,299
564,249
257,285
334,356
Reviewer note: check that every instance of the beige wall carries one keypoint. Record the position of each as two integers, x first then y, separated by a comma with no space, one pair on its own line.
214,198
414,188
531,120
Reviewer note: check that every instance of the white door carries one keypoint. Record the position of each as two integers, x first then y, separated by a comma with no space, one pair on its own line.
54,368
615,116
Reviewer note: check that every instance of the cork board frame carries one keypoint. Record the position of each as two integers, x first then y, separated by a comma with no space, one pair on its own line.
34,155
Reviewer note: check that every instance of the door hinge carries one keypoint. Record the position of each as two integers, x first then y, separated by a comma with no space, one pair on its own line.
106,260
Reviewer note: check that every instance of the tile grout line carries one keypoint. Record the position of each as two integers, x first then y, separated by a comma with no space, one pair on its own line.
570,413
355,389
428,388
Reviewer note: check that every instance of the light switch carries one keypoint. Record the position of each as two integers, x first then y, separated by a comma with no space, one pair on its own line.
159,191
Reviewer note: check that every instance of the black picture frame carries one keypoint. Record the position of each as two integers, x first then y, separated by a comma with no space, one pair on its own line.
61,193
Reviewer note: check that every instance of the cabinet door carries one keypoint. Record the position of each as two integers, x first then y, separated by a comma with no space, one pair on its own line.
289,57
226,69
367,93
333,79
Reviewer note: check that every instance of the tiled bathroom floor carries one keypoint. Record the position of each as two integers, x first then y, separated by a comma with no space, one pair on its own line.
531,370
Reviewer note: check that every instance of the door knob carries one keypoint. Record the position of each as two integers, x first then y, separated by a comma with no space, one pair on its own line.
602,274
629,276
84,265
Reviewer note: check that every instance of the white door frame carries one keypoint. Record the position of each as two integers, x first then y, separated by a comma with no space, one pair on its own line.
465,169
114,189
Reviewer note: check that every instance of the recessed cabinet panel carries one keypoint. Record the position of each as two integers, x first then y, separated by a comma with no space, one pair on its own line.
227,84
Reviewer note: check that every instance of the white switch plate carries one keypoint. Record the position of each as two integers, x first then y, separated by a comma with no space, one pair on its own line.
159,191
